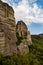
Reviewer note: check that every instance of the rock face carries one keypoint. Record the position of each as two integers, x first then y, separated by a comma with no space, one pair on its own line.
7,30
23,32
21,28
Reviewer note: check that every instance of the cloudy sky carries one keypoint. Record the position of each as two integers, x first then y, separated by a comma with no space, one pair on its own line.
30,11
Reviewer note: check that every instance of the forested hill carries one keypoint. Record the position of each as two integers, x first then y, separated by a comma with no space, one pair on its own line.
36,49
38,37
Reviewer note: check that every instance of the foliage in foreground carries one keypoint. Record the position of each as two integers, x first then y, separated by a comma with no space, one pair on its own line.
34,57
18,60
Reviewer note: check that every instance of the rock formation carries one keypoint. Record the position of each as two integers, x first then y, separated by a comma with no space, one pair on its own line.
8,30
23,32
21,28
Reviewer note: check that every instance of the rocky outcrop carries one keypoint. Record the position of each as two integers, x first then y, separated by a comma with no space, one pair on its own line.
21,28
23,32
7,30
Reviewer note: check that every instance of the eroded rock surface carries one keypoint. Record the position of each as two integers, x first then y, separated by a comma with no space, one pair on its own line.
7,30
23,32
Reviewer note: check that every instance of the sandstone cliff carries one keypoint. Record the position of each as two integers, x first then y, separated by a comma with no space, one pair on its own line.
12,34
7,30
25,36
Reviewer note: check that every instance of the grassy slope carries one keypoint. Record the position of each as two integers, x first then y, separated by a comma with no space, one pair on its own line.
36,49
35,57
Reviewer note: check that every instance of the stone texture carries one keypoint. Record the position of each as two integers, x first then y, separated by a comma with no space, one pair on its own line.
21,28
29,38
23,31
23,47
7,30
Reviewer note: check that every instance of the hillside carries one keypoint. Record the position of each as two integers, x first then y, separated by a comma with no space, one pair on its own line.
36,50
34,57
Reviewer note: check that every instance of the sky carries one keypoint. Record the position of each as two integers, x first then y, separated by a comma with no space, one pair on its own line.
30,11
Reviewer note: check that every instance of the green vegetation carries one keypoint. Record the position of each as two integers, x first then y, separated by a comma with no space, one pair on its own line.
19,38
36,49
34,57
14,60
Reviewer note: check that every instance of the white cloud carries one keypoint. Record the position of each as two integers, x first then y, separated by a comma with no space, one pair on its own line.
26,12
